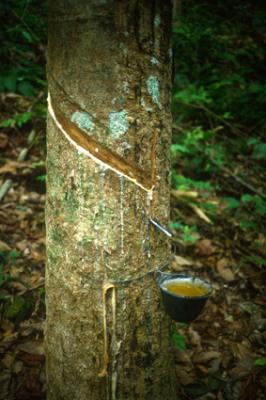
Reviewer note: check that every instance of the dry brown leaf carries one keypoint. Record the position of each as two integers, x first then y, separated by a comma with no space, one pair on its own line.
183,261
183,357
12,166
184,377
243,368
7,326
8,360
205,357
194,338
180,263
205,247
34,326
22,245
37,278
8,339
34,347
38,256
4,246
202,368
214,366
224,271
18,286
3,140
17,367
241,350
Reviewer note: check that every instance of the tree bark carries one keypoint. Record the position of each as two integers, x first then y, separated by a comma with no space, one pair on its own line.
109,69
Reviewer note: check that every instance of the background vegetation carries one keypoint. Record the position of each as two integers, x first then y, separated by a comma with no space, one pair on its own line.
218,195
219,104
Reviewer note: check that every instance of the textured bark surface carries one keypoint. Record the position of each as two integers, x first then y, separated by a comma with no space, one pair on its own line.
111,60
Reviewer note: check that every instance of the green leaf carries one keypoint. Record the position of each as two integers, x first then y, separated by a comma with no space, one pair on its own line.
247,224
8,123
253,140
193,95
259,261
179,341
259,152
10,83
27,36
18,309
41,178
188,236
179,148
246,198
175,225
260,206
3,276
232,203
227,115
23,118
13,254
26,88
260,362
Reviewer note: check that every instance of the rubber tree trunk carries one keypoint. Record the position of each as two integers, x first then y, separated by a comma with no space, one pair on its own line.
107,335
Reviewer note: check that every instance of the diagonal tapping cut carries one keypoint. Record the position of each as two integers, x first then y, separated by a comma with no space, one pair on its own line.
98,152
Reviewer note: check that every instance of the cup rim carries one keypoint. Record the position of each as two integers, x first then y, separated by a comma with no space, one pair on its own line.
173,277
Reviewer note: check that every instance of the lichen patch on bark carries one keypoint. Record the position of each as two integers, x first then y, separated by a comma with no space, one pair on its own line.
154,61
118,123
157,21
83,120
154,89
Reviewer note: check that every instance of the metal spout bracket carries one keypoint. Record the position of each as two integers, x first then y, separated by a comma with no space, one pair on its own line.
161,228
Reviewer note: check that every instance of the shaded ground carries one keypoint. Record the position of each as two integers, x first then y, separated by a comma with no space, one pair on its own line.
219,356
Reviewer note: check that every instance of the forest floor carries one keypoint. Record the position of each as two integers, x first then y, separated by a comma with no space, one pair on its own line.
219,356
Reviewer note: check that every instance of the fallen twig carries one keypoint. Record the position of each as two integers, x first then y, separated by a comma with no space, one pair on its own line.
21,157
5,188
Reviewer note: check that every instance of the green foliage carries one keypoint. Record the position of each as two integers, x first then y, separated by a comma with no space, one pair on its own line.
231,203
178,340
191,95
22,32
5,258
196,148
259,151
17,120
22,73
219,108
42,295
249,208
260,362
216,59
41,178
180,182
17,309
259,261
3,276
185,232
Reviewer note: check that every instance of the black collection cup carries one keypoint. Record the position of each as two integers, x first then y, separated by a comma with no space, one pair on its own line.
183,308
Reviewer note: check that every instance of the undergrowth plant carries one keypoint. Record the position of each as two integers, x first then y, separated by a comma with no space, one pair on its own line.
23,38
22,68
219,104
